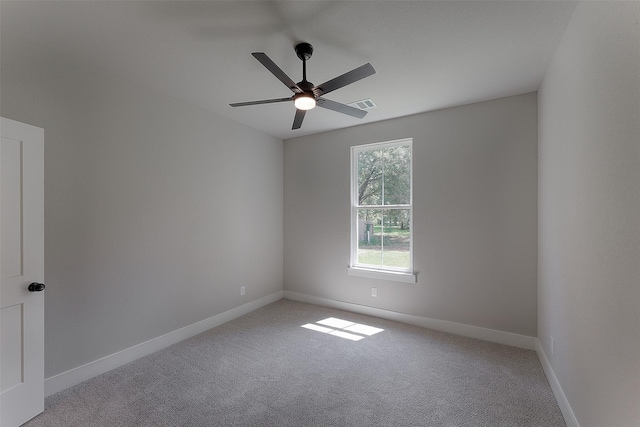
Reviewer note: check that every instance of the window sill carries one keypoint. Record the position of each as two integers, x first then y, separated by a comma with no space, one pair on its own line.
385,275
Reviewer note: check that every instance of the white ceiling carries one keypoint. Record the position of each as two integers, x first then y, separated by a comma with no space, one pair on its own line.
428,55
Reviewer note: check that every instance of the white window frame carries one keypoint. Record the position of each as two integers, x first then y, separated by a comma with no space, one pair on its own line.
387,273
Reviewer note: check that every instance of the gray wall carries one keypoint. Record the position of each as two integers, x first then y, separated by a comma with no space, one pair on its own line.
475,215
156,212
589,256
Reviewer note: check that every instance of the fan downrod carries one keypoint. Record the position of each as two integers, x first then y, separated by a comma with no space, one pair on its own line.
304,50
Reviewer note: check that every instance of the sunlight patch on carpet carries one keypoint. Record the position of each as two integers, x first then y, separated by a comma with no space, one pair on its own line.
343,328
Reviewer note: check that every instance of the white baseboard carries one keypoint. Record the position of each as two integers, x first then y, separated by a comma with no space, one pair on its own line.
567,412
500,337
75,376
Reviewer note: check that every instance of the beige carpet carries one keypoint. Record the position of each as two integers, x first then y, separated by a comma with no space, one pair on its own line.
265,369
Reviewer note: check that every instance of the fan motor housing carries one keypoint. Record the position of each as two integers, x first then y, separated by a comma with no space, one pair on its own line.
306,86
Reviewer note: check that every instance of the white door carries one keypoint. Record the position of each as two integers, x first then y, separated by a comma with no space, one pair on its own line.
21,272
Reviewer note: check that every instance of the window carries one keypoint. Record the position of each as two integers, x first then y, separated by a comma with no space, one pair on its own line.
381,210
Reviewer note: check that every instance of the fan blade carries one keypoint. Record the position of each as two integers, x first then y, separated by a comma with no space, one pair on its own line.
347,78
340,108
265,101
297,120
276,71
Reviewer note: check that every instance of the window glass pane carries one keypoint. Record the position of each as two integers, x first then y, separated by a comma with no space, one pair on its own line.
396,238
370,177
369,237
397,175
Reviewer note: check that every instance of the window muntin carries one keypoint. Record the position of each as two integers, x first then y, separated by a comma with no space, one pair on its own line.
381,217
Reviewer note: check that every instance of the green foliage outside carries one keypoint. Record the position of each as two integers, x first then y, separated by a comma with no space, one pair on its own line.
398,259
384,176
393,236
395,243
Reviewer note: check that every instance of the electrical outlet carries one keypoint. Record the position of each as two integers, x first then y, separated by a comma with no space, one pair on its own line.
374,292
551,345
241,290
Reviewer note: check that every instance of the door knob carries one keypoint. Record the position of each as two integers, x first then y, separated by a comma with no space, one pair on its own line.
36,287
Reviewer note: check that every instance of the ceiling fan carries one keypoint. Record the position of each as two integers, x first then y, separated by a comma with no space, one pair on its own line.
305,95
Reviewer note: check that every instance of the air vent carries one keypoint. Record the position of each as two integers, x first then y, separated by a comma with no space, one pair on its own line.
365,104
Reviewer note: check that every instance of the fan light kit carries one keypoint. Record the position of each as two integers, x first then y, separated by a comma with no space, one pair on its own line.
306,95
303,101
